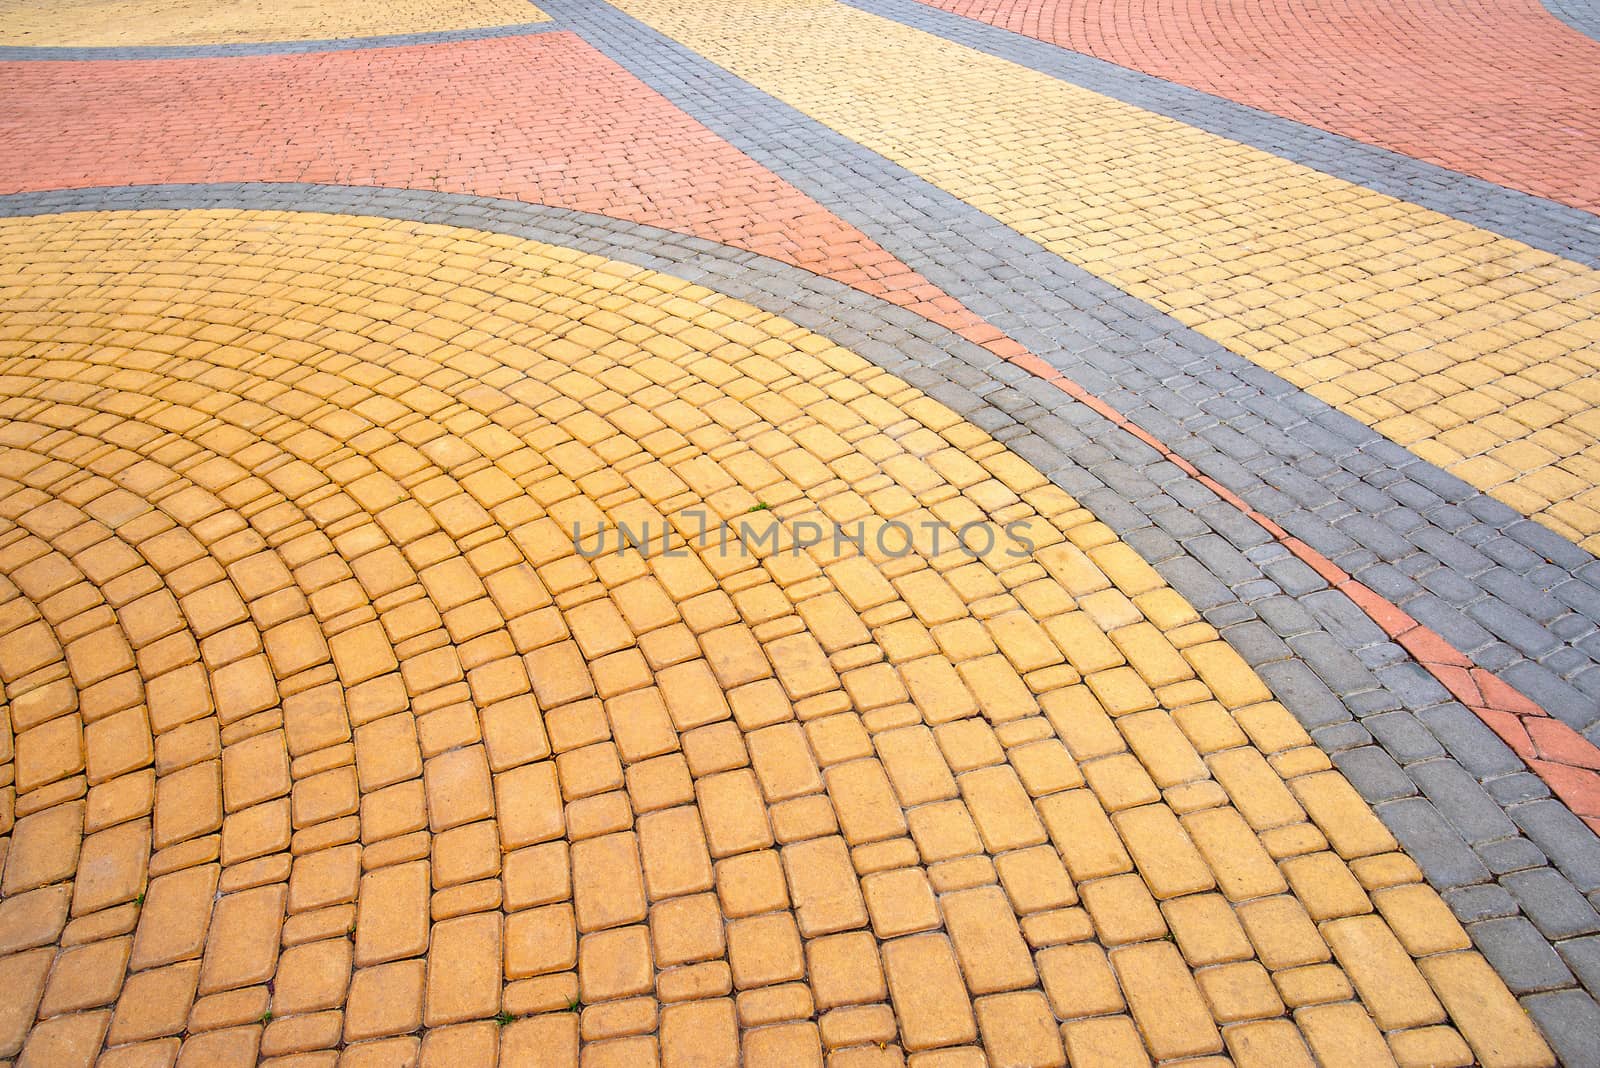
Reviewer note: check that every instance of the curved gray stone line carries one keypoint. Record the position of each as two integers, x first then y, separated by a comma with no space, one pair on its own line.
1512,861
12,53
1544,224
1581,15
1516,597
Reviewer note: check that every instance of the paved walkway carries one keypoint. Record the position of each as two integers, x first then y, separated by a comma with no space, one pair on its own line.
1116,583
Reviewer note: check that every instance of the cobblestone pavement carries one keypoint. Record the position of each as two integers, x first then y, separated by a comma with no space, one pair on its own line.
1262,732
1387,74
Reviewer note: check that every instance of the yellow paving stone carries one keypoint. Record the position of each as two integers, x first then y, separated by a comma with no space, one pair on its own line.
1019,1029
1105,1042
614,964
864,801
988,944
607,881
699,1033
1282,933
673,849
1045,767
1001,809
1325,886
900,901
685,930
540,940
1423,923
1491,1021
1083,835
1389,983
1241,991
845,969
1167,859
914,765
1206,929
826,896
735,818
1343,1033
763,950
1440,1046
926,988
1035,880
1341,814
1243,868
1313,984
1267,1042
1122,909
420,731
1254,787
1079,981
772,1004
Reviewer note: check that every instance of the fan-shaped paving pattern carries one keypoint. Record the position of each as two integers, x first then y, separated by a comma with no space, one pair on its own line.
328,743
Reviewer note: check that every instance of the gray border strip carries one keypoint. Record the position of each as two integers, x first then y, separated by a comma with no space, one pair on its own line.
1581,15
1517,598
1545,224
12,53
1512,861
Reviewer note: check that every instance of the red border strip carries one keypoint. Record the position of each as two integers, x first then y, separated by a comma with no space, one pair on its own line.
1565,760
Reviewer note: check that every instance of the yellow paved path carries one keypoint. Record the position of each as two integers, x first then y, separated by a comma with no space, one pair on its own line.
291,614
1479,353
122,23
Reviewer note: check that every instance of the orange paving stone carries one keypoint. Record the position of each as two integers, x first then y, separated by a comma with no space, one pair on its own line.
453,809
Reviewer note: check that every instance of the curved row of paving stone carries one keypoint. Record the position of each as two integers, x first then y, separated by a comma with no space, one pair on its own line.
1460,562
206,474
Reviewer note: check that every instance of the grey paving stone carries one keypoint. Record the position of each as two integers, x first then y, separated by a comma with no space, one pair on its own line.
1582,956
1256,642
1298,687
1554,829
1462,800
1333,663
1484,901
1472,743
1413,685
1371,771
1522,956
1510,790
1552,904
1570,1022
1507,855
1439,851
1403,737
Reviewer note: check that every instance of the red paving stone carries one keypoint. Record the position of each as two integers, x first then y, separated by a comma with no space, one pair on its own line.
1503,90
543,119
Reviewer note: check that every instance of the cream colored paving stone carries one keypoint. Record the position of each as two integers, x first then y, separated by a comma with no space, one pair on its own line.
363,726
